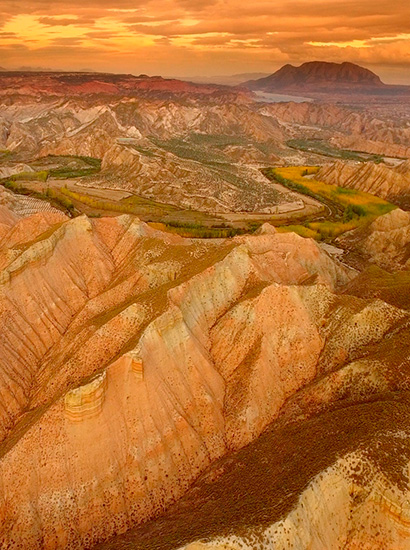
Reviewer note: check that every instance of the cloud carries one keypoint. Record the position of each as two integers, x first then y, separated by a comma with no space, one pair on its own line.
208,36
67,41
65,21
101,35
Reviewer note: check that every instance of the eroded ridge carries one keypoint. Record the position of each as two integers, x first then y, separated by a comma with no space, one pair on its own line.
134,360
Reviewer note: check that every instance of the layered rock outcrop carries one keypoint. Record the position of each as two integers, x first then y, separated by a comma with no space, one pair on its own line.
132,360
149,316
86,401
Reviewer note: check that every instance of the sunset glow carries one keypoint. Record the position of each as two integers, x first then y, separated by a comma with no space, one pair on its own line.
209,37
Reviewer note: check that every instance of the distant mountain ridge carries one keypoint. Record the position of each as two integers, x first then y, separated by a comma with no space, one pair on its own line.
225,80
319,75
57,83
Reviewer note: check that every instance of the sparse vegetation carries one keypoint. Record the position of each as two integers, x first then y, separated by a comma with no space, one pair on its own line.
198,231
48,194
301,230
70,167
349,208
41,175
374,281
92,166
186,149
63,201
5,154
217,140
323,148
129,205
98,204
207,150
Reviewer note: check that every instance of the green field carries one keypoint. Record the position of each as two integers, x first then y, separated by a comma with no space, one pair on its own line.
90,166
348,208
324,148
136,205
41,175
59,167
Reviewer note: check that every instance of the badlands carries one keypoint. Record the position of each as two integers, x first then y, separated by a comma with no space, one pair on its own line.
164,391
245,387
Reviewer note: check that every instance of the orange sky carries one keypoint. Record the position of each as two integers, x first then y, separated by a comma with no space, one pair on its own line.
205,37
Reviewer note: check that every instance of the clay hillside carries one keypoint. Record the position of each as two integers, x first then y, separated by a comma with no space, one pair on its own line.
135,364
204,317
390,182
186,145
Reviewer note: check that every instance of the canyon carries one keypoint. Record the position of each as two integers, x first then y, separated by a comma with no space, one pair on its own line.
164,391
188,145
134,361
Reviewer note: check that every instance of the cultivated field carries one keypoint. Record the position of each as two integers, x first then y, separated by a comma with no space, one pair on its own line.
347,208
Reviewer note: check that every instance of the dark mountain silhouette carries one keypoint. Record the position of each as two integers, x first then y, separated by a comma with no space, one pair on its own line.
317,75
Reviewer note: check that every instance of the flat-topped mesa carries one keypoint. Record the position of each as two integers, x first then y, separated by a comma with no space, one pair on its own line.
317,74
86,401
61,84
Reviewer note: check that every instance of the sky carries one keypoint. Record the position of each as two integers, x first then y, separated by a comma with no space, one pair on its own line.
205,37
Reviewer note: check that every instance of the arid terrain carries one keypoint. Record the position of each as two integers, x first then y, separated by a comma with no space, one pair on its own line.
204,316
192,146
